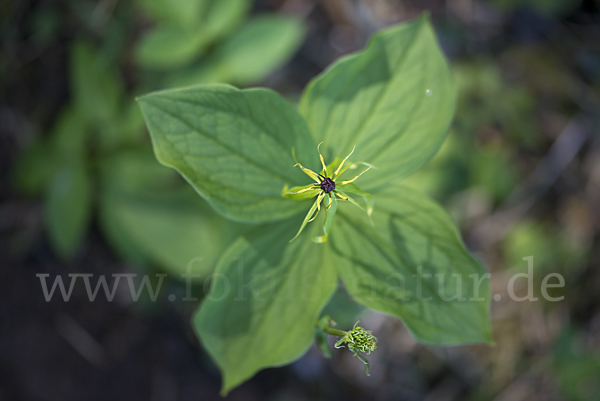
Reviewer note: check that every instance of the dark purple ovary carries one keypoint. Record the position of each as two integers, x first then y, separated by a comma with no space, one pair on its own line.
327,185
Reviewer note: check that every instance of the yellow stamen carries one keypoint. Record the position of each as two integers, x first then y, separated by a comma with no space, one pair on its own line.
301,191
322,160
342,163
352,166
319,199
306,171
354,179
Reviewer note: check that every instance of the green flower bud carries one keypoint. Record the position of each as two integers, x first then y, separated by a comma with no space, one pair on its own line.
359,340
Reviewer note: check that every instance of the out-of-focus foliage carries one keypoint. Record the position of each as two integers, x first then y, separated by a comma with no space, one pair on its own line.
97,157
576,367
213,43
552,249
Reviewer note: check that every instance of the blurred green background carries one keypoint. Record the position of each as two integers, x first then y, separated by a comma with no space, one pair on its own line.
81,192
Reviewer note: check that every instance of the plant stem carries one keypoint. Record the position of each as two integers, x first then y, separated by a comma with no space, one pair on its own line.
333,332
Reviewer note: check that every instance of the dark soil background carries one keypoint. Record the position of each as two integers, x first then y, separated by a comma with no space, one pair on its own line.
546,52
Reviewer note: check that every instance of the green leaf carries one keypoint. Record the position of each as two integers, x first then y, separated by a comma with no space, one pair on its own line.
97,89
68,208
223,16
386,266
258,48
264,301
148,213
184,13
233,146
394,101
170,46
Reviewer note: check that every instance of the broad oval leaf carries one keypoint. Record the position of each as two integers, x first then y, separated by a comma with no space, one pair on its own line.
412,264
265,299
394,101
234,147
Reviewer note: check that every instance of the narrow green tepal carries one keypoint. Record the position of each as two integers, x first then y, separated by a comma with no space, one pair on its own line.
394,101
233,146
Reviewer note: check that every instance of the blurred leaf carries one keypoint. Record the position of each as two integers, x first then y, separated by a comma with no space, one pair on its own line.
445,173
34,169
68,198
119,239
174,229
488,100
401,73
552,250
380,266
137,171
131,123
264,302
239,155
258,48
205,72
526,238
70,135
183,13
492,169
97,89
222,16
147,208
126,130
68,208
170,46
577,368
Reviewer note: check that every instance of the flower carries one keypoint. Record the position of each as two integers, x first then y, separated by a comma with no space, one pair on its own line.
359,340
326,187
